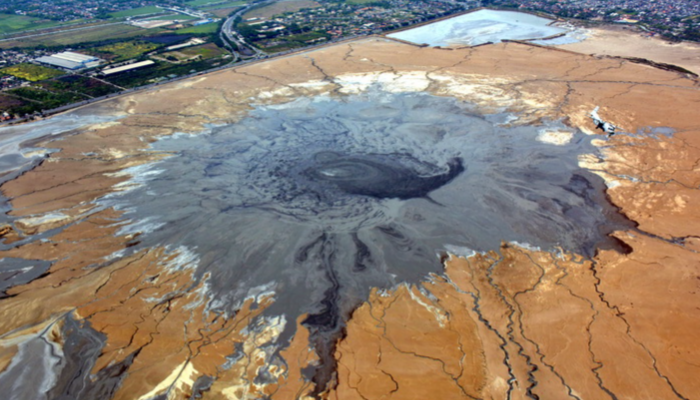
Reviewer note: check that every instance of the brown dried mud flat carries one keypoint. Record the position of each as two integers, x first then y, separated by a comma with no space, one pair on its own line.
620,41
515,322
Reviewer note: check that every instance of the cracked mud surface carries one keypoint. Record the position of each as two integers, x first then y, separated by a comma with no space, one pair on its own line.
617,41
100,306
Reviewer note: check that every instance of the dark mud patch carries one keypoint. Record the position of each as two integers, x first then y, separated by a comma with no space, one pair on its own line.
374,175
322,199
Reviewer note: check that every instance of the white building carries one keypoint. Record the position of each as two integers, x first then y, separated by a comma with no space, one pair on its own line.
70,60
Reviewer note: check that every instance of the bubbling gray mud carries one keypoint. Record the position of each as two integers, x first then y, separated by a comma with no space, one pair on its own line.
370,175
323,198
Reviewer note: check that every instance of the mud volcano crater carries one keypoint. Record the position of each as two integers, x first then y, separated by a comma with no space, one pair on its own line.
320,199
373,175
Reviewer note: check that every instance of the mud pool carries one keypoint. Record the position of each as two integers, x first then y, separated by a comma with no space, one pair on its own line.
320,199
485,26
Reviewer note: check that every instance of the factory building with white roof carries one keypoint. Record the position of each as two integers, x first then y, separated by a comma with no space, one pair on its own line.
69,60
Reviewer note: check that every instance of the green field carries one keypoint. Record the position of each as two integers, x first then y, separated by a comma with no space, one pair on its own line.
125,50
280,7
92,34
31,72
136,11
211,27
161,70
17,23
38,99
181,17
282,47
53,93
224,12
205,51
223,5
291,41
197,3
81,84
208,50
11,104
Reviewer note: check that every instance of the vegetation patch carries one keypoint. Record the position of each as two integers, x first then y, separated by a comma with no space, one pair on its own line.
206,29
197,3
10,23
31,72
172,17
224,12
202,52
10,104
209,50
125,50
35,99
60,39
284,43
227,4
279,8
81,84
161,71
167,39
136,11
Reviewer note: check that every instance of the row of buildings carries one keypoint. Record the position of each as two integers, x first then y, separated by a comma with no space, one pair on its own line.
69,10
339,19
671,18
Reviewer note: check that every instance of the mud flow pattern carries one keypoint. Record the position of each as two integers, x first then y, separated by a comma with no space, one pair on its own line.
322,198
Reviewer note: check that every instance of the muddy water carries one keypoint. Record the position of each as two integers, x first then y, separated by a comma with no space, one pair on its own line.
16,141
320,199
484,26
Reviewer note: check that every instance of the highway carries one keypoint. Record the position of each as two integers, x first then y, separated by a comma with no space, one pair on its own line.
234,37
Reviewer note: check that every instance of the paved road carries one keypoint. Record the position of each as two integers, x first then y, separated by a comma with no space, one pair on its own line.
234,37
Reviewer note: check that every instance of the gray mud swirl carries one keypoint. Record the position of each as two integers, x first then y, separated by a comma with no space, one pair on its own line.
321,199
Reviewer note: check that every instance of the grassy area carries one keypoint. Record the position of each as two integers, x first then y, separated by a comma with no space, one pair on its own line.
279,8
12,23
205,51
224,12
208,50
294,41
11,104
209,28
197,3
223,5
31,72
144,76
282,47
81,84
136,11
33,99
168,17
125,50
167,39
67,38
